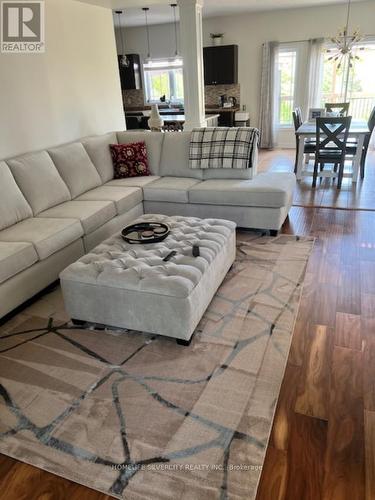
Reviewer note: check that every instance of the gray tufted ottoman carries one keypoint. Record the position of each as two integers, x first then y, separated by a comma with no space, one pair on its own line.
129,286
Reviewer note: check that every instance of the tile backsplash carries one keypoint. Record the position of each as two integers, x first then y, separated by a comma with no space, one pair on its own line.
135,98
213,93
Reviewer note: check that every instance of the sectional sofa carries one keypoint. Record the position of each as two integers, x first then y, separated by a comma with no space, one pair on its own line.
57,204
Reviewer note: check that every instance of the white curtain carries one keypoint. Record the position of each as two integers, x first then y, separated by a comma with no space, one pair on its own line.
314,76
267,96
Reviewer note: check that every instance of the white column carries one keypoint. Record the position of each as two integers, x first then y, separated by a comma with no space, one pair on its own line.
192,53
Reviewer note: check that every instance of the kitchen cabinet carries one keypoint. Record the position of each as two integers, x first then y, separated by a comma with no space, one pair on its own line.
220,65
226,116
130,76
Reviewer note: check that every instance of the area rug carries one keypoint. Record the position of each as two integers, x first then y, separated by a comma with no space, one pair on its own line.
137,416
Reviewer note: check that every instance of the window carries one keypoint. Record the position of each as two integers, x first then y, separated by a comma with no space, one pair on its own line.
164,77
353,84
285,84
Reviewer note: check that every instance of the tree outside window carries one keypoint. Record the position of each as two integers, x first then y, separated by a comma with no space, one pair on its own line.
164,78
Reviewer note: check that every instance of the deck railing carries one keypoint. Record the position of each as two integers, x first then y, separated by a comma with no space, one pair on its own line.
360,106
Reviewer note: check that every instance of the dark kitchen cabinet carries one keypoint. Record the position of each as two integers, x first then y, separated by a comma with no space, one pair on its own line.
226,118
130,76
220,65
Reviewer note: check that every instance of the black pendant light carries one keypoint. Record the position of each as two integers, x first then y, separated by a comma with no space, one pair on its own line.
174,5
124,61
145,10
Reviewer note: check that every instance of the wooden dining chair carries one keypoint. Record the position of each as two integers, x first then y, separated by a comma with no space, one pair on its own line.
351,147
298,111
371,126
329,132
339,107
309,146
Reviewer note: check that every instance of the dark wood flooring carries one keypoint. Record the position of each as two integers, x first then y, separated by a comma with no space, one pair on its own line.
360,195
322,444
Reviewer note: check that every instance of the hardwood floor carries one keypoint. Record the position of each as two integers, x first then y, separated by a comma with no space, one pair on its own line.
357,196
322,444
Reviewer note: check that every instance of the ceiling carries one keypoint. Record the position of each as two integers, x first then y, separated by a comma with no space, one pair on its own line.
161,12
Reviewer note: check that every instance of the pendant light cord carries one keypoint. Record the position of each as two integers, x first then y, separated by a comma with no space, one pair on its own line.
174,5
145,10
347,18
119,12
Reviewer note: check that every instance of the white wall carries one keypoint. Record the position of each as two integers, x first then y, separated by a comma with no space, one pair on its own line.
71,91
250,30
162,40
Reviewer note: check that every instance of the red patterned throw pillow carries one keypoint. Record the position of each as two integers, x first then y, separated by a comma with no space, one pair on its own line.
129,160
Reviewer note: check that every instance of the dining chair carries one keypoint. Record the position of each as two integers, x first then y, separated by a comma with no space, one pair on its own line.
329,132
298,111
371,126
309,146
351,147
340,107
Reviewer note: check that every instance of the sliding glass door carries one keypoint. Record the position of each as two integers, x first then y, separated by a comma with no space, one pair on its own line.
290,69
353,84
294,75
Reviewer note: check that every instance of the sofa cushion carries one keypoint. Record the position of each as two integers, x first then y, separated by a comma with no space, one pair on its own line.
271,189
15,257
13,205
129,160
171,189
175,156
124,198
228,173
47,235
91,214
76,168
134,181
39,180
98,150
154,143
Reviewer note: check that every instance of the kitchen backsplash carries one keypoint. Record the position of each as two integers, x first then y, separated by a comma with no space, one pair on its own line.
213,93
135,98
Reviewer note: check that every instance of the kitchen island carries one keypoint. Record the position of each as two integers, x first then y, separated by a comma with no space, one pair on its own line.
179,120
172,121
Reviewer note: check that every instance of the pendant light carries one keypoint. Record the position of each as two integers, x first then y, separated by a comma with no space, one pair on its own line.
145,10
174,5
124,61
344,44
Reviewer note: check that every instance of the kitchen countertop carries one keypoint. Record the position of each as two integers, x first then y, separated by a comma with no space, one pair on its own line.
234,109
164,111
181,118
174,117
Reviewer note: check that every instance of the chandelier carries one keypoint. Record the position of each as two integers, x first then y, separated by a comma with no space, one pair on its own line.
344,43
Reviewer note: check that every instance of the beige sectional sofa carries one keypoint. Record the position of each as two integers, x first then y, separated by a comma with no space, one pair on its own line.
56,205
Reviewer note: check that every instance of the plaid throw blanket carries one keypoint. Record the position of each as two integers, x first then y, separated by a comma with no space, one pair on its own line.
223,147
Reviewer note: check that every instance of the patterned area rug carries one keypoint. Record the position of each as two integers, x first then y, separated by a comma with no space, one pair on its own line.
138,417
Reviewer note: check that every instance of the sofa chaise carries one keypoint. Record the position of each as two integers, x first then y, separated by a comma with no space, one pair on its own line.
58,204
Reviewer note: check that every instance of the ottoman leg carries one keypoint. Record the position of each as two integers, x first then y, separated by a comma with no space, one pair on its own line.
78,322
183,342
274,232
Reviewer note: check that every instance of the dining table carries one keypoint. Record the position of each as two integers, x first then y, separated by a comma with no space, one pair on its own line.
359,129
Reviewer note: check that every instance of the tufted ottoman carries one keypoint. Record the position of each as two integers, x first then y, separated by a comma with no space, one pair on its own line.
129,286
